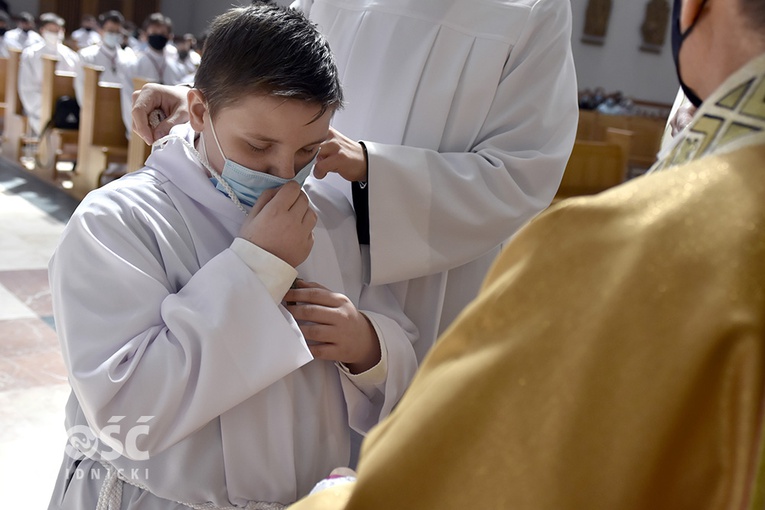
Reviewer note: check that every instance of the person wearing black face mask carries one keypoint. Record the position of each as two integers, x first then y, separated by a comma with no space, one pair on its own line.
23,35
687,101
158,63
86,35
615,357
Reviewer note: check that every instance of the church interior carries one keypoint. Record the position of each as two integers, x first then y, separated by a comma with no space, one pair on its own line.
626,83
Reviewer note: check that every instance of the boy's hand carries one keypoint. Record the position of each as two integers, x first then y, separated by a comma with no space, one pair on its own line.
344,334
341,155
282,223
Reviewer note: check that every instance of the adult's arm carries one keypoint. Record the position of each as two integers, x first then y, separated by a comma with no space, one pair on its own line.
431,211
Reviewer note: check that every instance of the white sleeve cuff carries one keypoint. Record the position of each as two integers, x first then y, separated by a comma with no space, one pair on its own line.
376,375
276,274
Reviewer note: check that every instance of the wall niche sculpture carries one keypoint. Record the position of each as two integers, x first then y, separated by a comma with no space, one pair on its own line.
596,22
654,28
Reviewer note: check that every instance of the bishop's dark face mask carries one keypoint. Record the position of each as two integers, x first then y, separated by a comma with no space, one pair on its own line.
678,37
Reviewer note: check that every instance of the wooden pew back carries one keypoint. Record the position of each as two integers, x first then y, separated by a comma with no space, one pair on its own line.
593,167
101,139
61,145
3,78
646,133
15,125
55,84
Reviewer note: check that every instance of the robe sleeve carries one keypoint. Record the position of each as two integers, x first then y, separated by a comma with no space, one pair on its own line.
371,396
432,211
137,344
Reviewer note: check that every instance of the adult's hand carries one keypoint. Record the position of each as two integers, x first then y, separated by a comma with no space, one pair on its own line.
341,155
171,100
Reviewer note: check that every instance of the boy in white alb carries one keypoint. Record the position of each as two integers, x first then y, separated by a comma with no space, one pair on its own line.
200,378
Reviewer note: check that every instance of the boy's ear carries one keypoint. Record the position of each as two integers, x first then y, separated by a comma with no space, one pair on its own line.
197,109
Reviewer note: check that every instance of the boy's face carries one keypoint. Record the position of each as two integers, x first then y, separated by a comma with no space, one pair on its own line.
269,134
111,27
52,28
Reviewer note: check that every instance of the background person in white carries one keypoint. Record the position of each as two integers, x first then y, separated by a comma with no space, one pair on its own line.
87,34
5,24
116,62
24,34
30,67
187,315
468,110
157,64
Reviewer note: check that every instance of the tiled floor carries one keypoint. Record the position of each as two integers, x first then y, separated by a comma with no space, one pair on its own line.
33,387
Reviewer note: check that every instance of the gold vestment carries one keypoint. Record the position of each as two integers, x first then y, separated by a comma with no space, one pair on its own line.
614,359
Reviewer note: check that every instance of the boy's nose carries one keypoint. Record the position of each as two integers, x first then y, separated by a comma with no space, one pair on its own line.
284,167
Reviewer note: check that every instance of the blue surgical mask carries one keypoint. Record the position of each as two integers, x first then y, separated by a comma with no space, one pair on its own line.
248,184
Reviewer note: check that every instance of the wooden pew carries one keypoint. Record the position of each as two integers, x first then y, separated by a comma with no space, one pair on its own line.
15,123
593,167
3,75
63,142
101,139
646,134
623,138
138,150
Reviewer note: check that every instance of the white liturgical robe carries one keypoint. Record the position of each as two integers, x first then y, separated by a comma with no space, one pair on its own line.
180,353
468,109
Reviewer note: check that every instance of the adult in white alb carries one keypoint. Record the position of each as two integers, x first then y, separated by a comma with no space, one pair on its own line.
116,62
211,377
24,34
468,112
31,66
88,33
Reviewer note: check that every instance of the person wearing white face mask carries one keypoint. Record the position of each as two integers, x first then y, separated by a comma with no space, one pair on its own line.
115,61
31,68
88,33
191,325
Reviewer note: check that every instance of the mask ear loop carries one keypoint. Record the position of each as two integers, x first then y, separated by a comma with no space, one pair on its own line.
226,186
218,177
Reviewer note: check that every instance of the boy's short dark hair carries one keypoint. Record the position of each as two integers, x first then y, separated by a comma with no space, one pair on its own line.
269,50
25,17
50,18
113,16
158,18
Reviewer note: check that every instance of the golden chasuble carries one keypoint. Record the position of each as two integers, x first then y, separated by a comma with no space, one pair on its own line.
614,359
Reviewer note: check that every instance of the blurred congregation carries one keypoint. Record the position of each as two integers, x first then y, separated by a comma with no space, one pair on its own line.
67,80
68,88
